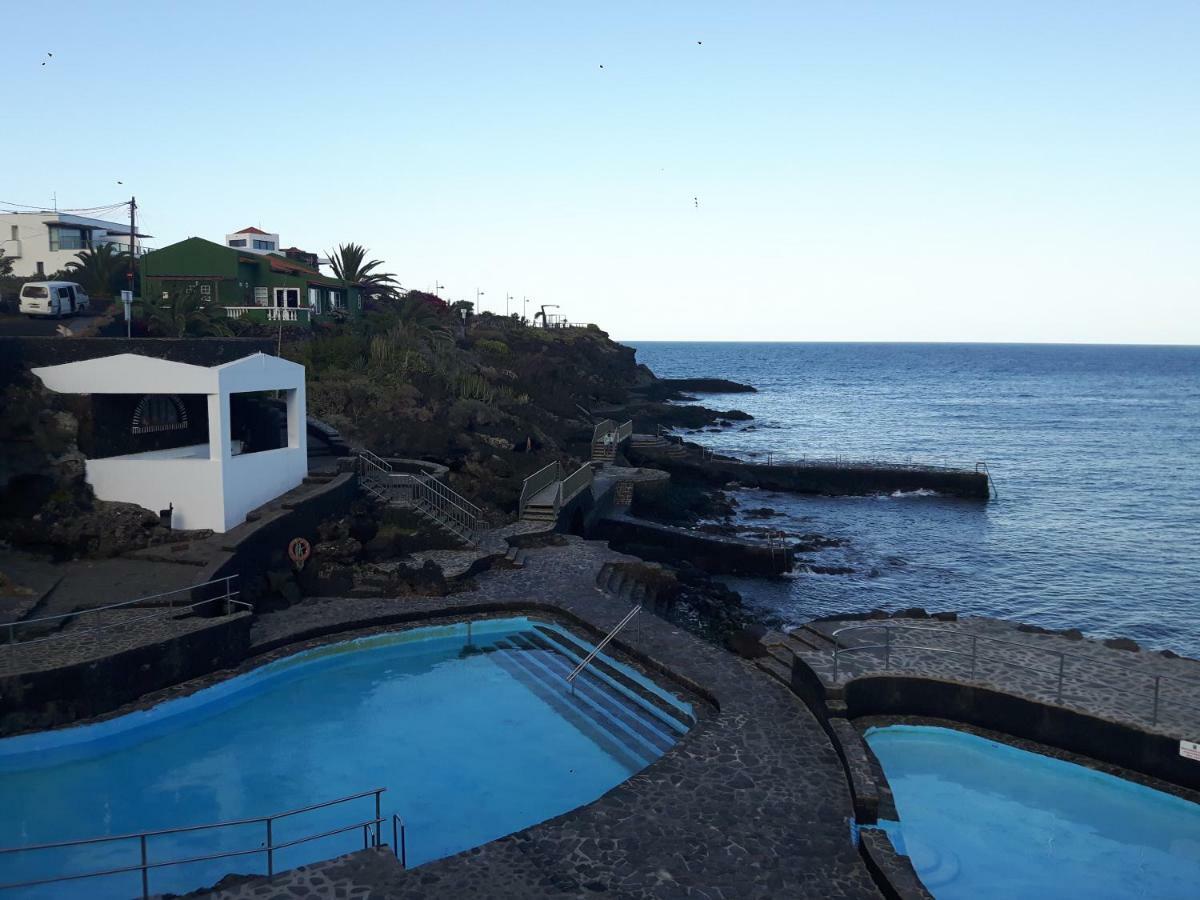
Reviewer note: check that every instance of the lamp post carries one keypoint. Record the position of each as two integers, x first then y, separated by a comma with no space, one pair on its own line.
437,287
478,306
507,298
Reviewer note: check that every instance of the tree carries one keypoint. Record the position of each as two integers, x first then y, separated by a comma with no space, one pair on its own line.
101,270
351,265
185,314
6,264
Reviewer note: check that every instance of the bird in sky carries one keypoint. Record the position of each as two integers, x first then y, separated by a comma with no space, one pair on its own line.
48,54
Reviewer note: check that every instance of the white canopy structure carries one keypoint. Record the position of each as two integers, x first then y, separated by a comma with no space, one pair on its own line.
210,485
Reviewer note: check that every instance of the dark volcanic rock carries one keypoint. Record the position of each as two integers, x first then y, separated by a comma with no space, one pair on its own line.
747,642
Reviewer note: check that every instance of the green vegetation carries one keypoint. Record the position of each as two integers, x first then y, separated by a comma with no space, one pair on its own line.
184,313
351,265
102,271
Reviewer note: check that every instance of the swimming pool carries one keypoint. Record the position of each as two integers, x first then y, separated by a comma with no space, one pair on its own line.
982,819
471,728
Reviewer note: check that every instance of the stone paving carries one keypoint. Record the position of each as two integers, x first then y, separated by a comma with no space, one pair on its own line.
1096,679
751,803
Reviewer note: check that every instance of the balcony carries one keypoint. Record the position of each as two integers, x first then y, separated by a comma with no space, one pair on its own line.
268,313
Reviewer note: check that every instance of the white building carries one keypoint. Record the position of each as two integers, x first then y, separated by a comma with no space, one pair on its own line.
254,240
42,243
212,484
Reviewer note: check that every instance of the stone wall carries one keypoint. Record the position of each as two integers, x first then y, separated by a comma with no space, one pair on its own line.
1131,748
711,553
52,697
19,354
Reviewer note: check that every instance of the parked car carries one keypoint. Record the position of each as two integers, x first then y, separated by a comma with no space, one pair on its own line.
53,298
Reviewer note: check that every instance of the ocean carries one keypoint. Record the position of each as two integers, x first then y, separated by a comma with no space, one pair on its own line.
1094,450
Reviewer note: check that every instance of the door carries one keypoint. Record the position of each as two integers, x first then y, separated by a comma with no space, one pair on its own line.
71,299
287,297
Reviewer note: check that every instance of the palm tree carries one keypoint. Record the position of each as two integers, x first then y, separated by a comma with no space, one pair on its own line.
100,270
351,265
185,314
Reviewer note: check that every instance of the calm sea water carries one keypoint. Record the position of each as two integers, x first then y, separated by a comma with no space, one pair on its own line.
1095,451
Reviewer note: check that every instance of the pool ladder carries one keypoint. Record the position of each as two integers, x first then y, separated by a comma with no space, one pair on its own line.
595,651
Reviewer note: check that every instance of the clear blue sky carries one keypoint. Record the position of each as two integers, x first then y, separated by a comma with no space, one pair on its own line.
864,171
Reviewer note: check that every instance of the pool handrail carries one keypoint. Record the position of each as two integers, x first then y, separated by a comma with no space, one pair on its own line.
372,829
1061,655
595,651
228,594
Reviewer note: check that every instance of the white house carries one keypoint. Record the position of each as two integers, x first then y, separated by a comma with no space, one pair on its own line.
211,484
42,243
254,240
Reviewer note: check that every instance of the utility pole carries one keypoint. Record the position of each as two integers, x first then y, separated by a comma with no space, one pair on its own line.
132,240
525,308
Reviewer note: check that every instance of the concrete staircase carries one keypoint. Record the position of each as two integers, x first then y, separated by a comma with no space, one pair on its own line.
807,642
429,498
656,443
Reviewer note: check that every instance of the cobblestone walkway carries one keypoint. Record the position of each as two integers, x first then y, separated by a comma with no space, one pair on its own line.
752,803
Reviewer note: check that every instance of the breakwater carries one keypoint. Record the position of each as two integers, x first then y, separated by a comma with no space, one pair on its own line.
826,477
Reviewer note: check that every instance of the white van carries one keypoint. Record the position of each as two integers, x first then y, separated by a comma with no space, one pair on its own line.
53,298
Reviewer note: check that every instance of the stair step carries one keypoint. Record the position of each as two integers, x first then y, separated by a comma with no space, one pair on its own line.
574,650
776,669
582,716
649,735
638,735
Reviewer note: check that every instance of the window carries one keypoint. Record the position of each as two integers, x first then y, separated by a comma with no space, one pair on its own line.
64,294
240,242
264,245
287,297
336,301
69,238
206,292
35,293
260,296
314,300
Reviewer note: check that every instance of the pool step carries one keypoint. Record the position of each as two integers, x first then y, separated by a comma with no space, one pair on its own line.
624,712
617,722
575,650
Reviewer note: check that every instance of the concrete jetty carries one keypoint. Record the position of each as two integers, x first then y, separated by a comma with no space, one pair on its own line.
832,477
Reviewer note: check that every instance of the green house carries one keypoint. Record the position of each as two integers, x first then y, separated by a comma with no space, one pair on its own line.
261,287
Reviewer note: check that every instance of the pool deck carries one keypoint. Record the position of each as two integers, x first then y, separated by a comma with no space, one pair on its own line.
753,802
1097,679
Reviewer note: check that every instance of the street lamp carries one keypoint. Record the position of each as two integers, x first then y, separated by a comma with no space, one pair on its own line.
478,307
507,297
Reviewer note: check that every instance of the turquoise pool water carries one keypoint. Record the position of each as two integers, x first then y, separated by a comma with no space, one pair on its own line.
980,819
472,742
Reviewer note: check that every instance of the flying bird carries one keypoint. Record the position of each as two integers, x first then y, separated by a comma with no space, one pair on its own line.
48,54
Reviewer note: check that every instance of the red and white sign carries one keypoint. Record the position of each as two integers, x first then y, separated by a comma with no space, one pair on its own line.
298,551
1189,750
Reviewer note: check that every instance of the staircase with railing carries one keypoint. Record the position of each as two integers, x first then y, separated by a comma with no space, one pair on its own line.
606,439
423,494
545,492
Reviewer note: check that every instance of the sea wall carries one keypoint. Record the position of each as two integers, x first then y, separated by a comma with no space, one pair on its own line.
827,479
711,553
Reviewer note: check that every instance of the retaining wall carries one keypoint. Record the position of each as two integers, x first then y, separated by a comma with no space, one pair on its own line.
711,553
50,697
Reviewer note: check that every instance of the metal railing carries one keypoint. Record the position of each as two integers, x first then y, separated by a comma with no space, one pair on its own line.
421,491
595,651
1156,688
539,481
370,828
168,603
573,484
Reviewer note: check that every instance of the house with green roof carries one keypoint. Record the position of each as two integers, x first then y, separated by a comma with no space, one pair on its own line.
259,287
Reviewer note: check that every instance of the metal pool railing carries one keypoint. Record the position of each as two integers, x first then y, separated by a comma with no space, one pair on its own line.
1156,688
168,603
370,828
595,651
